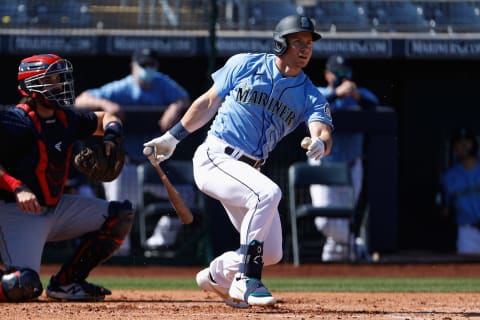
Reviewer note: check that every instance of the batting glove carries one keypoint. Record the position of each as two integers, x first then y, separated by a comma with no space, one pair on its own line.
163,146
316,149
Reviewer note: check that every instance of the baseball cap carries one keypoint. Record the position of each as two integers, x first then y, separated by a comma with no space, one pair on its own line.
338,64
463,133
467,134
145,56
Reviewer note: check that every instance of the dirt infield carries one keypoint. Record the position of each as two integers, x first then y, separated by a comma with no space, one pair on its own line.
195,304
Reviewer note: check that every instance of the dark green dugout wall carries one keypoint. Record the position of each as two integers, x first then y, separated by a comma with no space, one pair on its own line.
429,98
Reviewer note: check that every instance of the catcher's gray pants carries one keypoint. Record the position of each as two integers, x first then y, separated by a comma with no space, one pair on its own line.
23,235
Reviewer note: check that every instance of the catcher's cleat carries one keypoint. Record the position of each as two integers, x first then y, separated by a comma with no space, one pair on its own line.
251,290
77,291
205,282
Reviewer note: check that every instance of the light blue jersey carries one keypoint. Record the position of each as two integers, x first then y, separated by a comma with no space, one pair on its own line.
462,190
261,106
127,92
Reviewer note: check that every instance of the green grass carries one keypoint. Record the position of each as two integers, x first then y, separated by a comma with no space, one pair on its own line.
307,284
376,284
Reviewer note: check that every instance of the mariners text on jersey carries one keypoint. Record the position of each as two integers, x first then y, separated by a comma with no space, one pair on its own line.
270,103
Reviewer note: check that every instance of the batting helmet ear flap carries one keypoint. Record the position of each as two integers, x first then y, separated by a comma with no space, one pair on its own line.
279,45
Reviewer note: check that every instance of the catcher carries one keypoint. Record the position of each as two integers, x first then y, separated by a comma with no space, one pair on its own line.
36,139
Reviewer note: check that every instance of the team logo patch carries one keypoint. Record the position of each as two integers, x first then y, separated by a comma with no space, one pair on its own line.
58,146
305,23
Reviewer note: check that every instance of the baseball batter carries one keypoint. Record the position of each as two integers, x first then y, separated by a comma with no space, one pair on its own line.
256,99
36,139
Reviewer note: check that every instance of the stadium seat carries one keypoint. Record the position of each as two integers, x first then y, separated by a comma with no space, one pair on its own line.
266,14
12,13
341,16
454,16
53,13
304,236
397,16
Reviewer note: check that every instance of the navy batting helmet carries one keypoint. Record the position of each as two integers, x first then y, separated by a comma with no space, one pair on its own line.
289,25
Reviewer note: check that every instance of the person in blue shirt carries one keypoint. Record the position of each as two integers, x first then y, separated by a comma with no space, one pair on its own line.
144,87
461,187
342,93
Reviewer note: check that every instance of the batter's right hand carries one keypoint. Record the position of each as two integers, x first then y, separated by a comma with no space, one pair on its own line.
163,146
316,149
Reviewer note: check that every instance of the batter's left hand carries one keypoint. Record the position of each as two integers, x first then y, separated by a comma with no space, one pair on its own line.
163,146
316,150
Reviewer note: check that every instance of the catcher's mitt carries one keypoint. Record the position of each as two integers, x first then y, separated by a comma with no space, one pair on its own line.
95,164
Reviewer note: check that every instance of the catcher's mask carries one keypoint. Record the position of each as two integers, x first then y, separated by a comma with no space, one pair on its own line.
47,77
289,25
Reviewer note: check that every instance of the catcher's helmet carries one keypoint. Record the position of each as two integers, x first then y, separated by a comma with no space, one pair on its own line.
48,75
289,25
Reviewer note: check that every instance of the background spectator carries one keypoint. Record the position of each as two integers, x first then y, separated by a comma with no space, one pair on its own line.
461,185
343,94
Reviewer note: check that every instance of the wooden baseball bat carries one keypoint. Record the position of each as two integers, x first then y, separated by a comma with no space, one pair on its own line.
176,199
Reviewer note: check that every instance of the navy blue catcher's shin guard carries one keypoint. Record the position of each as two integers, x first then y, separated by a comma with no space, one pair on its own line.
20,285
253,259
98,246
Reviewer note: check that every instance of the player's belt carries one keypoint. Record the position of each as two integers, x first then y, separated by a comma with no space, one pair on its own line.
253,162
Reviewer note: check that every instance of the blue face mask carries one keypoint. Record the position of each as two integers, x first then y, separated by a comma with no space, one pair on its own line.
145,75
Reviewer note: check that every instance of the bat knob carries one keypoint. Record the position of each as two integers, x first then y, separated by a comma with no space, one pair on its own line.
147,151
306,142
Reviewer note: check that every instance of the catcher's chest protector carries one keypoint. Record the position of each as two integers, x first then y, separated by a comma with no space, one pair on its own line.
53,154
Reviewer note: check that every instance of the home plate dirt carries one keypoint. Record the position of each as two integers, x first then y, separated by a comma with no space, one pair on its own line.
196,304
